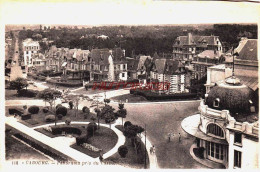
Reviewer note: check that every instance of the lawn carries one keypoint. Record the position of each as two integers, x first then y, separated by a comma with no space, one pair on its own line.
130,97
132,159
89,91
39,119
161,119
16,150
12,94
104,139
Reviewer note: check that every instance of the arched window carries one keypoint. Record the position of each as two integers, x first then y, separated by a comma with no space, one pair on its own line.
215,130
216,102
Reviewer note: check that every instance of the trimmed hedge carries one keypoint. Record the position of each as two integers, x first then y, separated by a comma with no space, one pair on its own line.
84,109
18,111
62,110
122,84
122,151
27,93
91,126
82,139
152,96
127,123
26,116
59,116
45,109
33,109
50,118
68,129
37,77
65,84
59,105
41,148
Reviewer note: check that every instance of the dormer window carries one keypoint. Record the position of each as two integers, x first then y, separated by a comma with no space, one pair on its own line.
216,102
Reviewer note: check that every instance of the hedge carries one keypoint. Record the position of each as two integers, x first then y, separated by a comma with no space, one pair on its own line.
41,148
18,111
107,86
59,116
26,116
45,109
50,118
152,96
33,109
27,93
82,139
68,129
122,151
37,77
65,84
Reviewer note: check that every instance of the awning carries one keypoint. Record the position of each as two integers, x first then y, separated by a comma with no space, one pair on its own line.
64,64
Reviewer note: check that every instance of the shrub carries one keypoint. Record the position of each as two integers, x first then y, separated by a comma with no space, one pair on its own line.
127,123
33,109
71,104
81,139
50,118
18,111
92,127
62,110
122,150
68,121
85,109
58,105
45,109
27,93
26,116
67,129
59,116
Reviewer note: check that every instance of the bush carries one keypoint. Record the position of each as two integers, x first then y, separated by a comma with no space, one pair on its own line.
18,111
50,118
85,109
62,110
27,93
45,109
68,121
59,105
33,109
81,139
67,129
71,104
127,123
59,116
26,116
122,150
65,84
92,127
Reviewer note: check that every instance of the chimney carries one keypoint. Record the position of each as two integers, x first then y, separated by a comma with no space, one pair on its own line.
189,38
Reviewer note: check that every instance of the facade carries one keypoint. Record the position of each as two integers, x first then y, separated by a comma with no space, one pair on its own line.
30,48
202,61
39,62
172,72
226,130
132,65
186,47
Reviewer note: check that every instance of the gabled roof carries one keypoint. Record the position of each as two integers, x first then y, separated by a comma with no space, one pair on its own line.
209,54
100,56
168,66
142,60
132,64
247,50
196,40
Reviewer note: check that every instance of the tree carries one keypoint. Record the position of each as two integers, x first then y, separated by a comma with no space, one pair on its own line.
97,110
109,117
18,84
132,131
107,113
86,111
121,112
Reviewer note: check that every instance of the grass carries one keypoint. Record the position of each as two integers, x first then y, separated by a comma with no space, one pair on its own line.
89,91
130,97
104,139
16,150
12,95
132,159
39,119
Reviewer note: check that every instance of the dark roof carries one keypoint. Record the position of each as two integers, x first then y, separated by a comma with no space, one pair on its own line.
168,66
132,64
249,50
100,56
234,98
196,40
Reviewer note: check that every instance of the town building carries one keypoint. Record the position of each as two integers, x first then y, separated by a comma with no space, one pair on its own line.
186,47
227,127
169,71
132,65
30,48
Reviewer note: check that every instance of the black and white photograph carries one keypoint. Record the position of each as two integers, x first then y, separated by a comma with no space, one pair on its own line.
130,85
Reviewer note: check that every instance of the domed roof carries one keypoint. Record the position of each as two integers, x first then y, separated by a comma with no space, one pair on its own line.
230,95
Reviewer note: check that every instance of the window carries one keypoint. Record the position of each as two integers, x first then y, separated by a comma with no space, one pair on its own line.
215,150
123,75
215,130
216,102
237,159
123,66
238,138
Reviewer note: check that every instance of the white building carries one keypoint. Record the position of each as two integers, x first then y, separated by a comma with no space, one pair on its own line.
30,48
227,127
